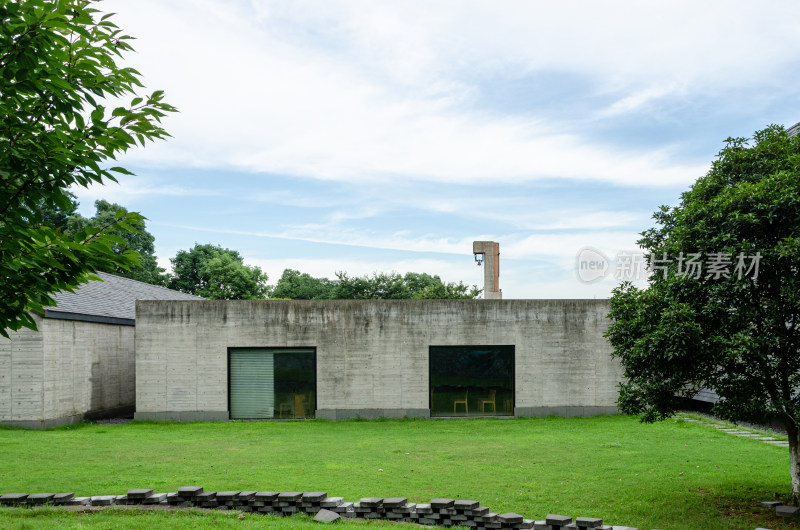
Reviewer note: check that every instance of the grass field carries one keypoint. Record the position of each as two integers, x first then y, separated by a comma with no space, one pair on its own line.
672,474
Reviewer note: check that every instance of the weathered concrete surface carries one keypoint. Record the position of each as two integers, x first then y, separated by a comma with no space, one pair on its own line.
372,355
64,372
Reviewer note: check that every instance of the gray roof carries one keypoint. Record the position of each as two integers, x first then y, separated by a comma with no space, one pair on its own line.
111,301
794,129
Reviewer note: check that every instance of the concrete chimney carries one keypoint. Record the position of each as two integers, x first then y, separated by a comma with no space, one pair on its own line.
488,253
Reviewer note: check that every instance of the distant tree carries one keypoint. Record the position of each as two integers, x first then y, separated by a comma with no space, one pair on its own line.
57,217
295,285
141,242
57,71
450,290
734,325
217,273
392,286
384,286
425,286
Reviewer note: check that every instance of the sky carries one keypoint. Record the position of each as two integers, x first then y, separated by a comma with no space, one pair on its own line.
377,136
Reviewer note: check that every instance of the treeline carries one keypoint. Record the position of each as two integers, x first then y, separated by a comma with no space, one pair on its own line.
219,273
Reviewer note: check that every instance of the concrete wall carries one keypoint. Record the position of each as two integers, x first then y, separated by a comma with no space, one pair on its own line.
372,355
67,371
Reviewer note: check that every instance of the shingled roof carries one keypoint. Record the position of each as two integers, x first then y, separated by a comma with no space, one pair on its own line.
794,129
111,301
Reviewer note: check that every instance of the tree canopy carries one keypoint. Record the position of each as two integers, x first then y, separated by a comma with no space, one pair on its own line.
218,273
379,285
57,69
294,285
140,242
722,308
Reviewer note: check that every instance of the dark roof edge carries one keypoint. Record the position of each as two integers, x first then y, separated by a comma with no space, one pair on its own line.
99,319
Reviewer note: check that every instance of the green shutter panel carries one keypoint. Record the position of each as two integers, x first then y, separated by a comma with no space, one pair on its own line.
252,387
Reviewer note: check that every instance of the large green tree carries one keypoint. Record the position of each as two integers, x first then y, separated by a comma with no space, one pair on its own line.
295,285
58,68
140,242
722,308
217,273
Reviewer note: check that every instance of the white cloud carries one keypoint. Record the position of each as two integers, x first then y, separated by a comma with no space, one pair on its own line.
362,92
131,188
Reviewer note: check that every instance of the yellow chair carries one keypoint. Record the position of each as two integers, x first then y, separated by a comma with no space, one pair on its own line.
462,401
299,405
490,401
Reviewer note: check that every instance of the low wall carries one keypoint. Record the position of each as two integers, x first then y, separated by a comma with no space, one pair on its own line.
372,355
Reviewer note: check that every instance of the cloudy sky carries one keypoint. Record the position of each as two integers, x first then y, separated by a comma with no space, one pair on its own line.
387,136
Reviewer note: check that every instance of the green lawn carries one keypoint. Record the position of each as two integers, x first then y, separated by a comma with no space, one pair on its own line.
672,474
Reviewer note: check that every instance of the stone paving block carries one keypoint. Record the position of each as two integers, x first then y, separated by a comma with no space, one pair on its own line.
63,498
510,518
541,525
314,496
245,496
557,520
39,498
266,496
424,508
786,511
326,516
371,502
190,491
771,504
290,496
526,524
330,502
588,522
13,498
79,501
394,502
438,504
461,505
139,493
227,496
103,500
155,498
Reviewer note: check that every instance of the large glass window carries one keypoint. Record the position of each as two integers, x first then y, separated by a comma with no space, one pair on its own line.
272,383
471,380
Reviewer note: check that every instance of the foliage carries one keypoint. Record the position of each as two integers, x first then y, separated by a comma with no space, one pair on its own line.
393,286
57,67
217,273
294,285
736,332
140,242
609,467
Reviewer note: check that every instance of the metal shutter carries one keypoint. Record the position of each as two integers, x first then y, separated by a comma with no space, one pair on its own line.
252,384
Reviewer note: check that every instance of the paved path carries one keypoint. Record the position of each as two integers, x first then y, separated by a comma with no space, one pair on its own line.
738,431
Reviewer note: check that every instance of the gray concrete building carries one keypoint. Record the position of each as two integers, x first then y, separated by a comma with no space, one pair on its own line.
80,362
336,359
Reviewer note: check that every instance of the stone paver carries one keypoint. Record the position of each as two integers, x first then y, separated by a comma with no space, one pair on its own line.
740,433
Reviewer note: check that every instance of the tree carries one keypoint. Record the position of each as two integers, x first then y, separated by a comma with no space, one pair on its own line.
57,66
722,309
392,286
377,286
217,273
294,285
140,242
